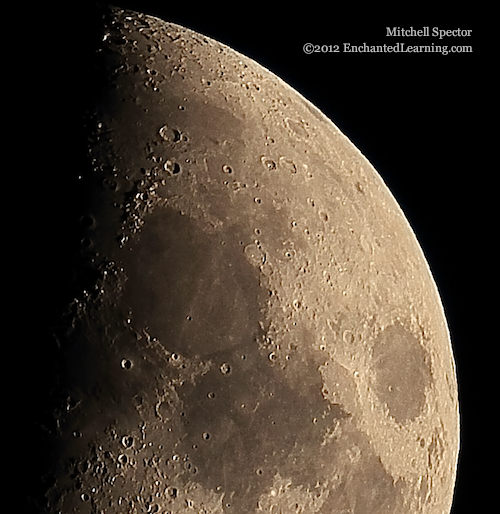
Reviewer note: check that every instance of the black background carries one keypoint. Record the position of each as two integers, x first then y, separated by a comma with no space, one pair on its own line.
420,119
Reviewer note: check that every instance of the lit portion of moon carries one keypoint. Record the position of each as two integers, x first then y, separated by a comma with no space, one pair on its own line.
261,331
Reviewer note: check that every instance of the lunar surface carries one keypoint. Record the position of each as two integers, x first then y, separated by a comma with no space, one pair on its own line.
254,327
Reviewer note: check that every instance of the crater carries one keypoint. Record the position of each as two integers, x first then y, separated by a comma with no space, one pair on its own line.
402,372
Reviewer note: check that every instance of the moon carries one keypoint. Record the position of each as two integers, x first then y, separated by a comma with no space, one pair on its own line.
254,326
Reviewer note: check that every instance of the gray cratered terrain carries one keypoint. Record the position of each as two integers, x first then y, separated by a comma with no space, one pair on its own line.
259,330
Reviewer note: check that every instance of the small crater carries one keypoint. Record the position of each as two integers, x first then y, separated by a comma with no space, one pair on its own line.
254,255
86,221
225,368
172,168
348,336
297,127
127,441
288,165
83,466
227,169
127,364
110,184
164,133
268,163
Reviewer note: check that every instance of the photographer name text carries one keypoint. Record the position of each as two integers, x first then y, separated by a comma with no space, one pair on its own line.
427,32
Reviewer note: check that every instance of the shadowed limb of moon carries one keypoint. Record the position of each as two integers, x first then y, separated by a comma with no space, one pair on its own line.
254,326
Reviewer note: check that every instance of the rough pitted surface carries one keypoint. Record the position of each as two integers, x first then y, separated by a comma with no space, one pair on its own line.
260,331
